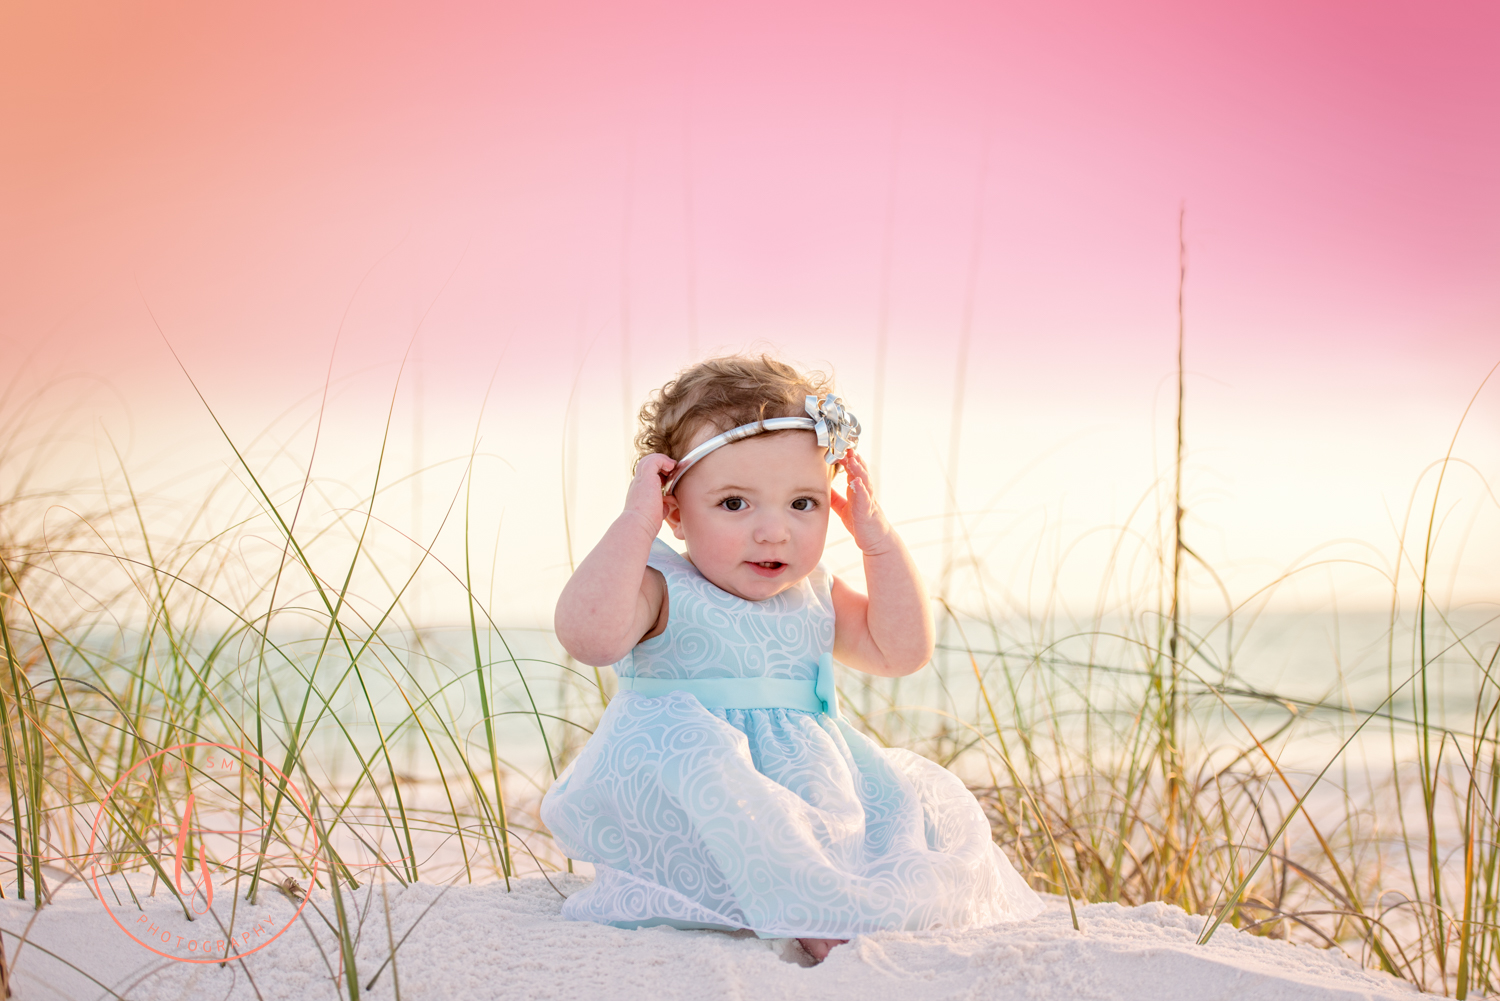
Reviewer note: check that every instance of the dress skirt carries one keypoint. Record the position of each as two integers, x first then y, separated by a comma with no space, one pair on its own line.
787,822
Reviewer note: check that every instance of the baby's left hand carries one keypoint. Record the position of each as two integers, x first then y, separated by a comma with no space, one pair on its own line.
857,509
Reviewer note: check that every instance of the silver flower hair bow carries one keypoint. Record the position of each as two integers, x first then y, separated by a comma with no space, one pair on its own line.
837,428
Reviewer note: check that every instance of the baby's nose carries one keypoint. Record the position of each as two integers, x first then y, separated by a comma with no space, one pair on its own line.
772,528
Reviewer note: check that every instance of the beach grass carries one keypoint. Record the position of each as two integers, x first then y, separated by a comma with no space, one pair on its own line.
1133,754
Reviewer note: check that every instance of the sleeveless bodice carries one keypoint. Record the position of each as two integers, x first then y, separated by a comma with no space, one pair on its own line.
714,634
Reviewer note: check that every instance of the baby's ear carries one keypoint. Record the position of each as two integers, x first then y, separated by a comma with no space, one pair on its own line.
673,515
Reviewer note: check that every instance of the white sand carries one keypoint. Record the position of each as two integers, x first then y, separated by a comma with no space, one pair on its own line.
482,942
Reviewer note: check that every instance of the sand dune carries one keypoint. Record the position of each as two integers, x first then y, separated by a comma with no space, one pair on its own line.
471,942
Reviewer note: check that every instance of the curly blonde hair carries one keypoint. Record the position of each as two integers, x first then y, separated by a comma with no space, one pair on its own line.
723,393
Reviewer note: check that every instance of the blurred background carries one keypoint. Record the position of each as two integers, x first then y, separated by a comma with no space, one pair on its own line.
404,235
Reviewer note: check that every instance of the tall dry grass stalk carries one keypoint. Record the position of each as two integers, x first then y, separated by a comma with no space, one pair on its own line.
1132,759
247,629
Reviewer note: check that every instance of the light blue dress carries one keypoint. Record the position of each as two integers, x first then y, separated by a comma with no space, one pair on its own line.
784,821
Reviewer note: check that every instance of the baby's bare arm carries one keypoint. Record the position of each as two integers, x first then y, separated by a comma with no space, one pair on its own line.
612,601
889,632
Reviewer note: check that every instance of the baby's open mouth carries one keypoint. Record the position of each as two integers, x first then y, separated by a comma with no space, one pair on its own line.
768,566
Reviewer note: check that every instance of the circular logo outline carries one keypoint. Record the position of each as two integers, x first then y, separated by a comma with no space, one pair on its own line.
296,796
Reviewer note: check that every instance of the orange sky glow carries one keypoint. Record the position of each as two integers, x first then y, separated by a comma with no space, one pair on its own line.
572,200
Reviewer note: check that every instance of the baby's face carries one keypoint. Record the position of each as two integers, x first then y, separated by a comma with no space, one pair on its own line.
754,514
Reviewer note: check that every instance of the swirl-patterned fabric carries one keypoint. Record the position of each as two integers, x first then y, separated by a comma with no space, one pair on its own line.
786,822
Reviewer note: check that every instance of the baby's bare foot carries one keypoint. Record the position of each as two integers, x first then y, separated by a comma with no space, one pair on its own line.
819,948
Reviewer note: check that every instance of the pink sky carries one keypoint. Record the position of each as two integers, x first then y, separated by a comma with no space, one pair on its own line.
569,184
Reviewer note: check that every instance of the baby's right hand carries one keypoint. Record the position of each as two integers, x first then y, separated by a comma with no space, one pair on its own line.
612,599
644,497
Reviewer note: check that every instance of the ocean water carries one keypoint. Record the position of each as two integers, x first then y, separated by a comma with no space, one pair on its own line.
1303,682
1309,680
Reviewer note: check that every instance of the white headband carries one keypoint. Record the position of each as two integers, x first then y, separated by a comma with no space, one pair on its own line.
837,430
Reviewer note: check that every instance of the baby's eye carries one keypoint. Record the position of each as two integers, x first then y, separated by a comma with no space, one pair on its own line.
804,504
733,503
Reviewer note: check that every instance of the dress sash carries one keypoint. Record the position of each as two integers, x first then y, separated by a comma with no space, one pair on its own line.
819,696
